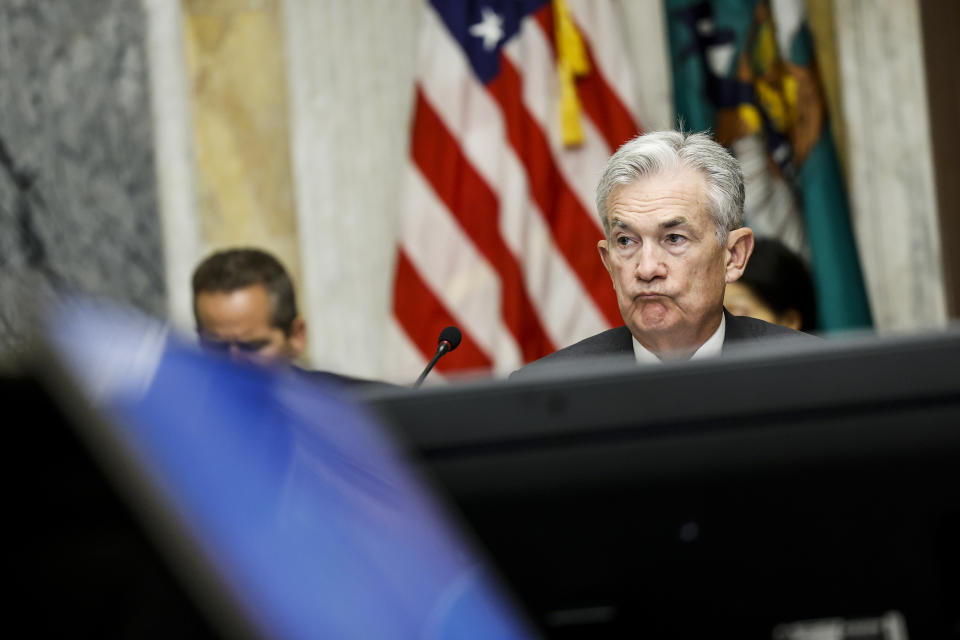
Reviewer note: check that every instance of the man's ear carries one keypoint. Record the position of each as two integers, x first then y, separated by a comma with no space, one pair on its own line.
298,337
739,248
604,255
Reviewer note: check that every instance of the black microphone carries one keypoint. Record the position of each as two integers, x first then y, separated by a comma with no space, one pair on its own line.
448,341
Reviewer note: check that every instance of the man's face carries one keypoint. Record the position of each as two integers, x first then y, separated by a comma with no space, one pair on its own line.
668,269
239,322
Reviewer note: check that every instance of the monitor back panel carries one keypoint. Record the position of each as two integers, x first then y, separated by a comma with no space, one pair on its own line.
731,498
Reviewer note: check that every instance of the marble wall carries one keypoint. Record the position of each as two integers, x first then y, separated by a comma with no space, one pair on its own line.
238,92
78,206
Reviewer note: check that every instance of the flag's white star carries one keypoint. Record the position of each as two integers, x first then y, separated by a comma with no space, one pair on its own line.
490,28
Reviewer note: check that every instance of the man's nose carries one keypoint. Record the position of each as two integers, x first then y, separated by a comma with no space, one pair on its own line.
649,263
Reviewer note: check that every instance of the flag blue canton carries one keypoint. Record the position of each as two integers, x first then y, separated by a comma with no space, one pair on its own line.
482,28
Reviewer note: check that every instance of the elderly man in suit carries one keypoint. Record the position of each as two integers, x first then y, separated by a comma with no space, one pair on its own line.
671,204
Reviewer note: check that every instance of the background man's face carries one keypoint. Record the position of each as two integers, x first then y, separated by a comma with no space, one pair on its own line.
667,267
239,321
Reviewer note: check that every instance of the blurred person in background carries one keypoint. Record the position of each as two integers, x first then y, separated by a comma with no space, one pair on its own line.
776,287
245,306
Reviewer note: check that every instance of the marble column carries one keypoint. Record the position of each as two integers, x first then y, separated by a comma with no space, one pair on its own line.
890,162
78,197
176,166
351,69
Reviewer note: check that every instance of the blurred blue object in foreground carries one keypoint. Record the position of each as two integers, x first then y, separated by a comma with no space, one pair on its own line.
291,494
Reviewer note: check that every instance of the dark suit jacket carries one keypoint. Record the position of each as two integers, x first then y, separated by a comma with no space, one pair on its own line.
619,342
328,378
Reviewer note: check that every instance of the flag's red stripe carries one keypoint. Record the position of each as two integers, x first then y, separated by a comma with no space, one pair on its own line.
599,100
574,233
475,206
604,107
423,317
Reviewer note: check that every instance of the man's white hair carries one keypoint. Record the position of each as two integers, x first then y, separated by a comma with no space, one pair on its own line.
659,151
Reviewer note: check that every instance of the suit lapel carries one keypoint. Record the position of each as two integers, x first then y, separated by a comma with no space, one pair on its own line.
734,331
623,340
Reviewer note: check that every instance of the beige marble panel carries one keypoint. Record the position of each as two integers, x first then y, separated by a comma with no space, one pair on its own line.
890,161
237,72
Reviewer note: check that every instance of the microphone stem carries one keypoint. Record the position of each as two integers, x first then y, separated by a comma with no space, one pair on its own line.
442,349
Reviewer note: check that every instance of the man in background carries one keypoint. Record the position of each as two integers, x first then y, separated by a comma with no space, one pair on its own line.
244,305
776,287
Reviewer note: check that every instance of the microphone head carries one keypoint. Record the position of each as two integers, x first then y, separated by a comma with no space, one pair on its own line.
452,336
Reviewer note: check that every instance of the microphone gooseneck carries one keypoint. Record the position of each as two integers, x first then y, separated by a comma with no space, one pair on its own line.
449,340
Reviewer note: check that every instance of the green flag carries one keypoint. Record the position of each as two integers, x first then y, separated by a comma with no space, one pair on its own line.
749,75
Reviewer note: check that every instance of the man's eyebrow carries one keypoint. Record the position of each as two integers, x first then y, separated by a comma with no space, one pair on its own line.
676,222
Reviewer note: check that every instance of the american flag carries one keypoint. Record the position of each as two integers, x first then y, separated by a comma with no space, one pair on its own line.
518,105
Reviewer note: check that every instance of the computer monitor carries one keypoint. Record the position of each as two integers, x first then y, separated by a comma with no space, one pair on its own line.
164,492
777,492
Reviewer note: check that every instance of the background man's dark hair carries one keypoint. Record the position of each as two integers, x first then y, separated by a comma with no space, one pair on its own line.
233,269
780,278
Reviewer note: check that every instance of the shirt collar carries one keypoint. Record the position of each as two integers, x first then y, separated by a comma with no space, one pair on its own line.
712,347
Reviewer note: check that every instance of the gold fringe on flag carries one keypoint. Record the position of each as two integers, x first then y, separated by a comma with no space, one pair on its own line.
571,62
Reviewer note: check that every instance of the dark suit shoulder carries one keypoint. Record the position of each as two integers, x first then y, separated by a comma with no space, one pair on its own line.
745,328
329,378
612,342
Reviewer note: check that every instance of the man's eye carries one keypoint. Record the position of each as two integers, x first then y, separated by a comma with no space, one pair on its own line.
251,346
214,345
624,241
675,238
